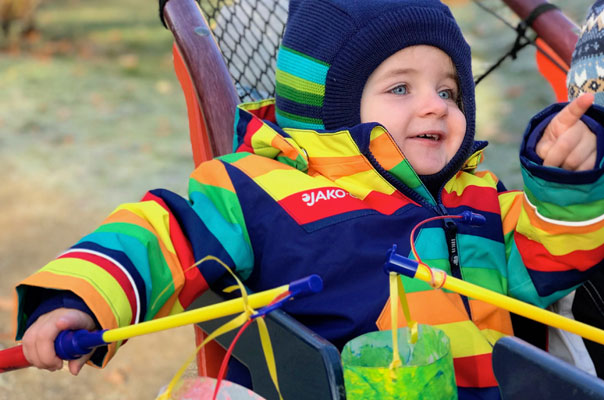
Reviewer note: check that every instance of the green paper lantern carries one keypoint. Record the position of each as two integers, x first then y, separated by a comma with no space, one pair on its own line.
426,371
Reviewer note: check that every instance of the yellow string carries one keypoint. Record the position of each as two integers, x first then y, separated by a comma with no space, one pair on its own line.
230,289
206,258
411,323
227,327
267,349
397,294
396,359
235,323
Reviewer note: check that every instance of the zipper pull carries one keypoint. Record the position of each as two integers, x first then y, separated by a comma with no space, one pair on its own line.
451,237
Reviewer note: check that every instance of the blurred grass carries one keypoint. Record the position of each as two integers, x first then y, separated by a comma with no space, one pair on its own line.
93,98
91,115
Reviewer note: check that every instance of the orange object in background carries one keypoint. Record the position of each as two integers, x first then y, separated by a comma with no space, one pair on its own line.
209,357
200,140
552,72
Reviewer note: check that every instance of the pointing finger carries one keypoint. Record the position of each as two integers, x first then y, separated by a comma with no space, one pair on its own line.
573,111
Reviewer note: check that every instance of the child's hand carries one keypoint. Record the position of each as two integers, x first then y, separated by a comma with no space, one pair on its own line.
567,142
39,339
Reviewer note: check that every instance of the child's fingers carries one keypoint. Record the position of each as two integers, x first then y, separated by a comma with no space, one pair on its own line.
41,355
47,356
38,340
76,365
574,150
572,113
38,345
583,155
589,163
74,319
558,141
560,149
543,147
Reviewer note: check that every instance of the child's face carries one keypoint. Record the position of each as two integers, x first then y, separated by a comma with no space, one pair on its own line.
414,94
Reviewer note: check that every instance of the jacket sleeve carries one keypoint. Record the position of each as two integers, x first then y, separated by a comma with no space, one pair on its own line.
139,264
554,229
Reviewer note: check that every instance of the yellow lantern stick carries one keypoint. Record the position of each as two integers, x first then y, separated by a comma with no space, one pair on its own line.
70,345
405,266
203,314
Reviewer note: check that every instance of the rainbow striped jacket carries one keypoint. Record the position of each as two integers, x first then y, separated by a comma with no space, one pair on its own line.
289,203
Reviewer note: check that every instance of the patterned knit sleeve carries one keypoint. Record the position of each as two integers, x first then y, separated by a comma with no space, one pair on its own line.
139,264
554,229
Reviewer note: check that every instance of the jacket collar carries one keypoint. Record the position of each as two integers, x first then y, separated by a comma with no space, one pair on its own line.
338,155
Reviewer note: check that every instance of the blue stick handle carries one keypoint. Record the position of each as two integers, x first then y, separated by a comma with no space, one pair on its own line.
306,286
73,344
400,264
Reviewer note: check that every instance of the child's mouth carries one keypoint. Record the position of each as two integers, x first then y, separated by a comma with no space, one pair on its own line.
429,136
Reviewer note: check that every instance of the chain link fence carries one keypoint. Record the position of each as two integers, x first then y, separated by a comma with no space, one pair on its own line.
248,33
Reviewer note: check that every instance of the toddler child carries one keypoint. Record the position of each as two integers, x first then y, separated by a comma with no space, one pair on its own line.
371,132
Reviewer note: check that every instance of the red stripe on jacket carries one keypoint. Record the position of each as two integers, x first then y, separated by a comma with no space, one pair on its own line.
477,197
195,284
537,258
116,272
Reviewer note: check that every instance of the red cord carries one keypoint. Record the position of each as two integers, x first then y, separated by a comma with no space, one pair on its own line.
278,298
412,240
225,360
229,351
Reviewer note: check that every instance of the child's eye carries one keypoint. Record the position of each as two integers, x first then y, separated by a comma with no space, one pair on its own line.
447,94
400,89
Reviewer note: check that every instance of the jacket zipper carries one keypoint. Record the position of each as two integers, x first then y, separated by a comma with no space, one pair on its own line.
407,191
450,226
451,238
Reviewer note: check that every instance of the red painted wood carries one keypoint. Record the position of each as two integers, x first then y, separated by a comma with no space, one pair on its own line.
200,140
216,94
210,357
553,27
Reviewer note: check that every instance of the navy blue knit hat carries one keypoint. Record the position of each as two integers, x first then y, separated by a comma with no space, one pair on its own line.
586,73
330,47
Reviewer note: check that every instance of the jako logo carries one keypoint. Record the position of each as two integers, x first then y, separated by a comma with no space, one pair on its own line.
312,198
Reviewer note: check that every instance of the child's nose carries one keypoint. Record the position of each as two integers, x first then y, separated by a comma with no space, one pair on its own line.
433,104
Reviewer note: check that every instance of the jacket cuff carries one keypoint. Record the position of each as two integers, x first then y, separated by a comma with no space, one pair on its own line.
53,299
60,299
533,164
